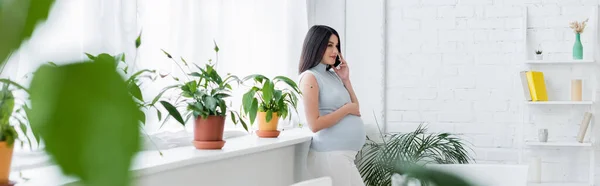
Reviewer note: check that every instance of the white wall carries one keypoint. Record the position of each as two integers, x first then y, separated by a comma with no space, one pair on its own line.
442,58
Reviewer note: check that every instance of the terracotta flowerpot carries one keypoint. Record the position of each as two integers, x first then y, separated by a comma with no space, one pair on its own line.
5,160
267,129
208,132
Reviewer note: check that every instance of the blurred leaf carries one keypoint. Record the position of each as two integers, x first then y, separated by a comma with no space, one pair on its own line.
143,118
134,90
53,64
162,92
288,81
184,62
138,73
159,114
89,124
173,112
18,20
35,133
106,58
24,131
90,56
138,41
216,47
168,55
10,82
7,104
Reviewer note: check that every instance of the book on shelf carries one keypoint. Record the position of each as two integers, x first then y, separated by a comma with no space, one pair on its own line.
587,116
534,86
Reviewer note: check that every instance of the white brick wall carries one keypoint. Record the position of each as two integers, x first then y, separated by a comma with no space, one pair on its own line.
442,55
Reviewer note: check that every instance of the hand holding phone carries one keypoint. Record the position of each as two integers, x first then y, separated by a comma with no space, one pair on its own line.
341,68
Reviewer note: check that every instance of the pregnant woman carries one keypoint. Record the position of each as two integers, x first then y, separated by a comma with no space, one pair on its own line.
331,108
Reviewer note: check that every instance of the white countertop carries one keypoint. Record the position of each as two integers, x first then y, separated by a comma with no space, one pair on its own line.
150,162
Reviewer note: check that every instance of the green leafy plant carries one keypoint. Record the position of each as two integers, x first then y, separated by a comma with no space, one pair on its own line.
134,80
87,119
265,97
378,160
203,93
18,117
428,176
18,19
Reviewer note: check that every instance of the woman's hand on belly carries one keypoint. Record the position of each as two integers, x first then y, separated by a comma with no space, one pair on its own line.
352,108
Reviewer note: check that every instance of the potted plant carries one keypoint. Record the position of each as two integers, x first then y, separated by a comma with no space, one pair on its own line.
538,55
203,95
133,79
269,103
402,152
8,131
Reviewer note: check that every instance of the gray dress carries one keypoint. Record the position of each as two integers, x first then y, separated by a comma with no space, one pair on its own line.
349,133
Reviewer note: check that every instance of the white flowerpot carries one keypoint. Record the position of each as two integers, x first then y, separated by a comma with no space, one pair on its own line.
538,56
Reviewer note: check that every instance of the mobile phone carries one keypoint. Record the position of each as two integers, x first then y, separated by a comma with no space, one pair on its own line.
337,61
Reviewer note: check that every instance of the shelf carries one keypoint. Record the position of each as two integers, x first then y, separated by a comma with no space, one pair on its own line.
561,62
560,102
558,144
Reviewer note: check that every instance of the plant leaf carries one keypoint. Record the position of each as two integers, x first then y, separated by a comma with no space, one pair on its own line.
269,115
216,47
173,111
159,114
166,53
247,100
161,93
288,81
7,104
267,91
24,131
18,20
138,40
90,56
211,103
135,91
136,74
253,110
8,81
99,98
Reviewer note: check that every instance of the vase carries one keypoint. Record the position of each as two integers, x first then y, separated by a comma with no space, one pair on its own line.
576,89
577,47
543,135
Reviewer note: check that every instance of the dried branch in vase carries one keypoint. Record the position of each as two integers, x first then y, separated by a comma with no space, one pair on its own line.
578,27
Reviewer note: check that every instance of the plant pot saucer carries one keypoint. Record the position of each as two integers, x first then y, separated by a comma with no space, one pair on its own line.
267,133
10,183
209,144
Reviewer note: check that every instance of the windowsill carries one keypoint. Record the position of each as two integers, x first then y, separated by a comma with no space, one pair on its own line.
150,162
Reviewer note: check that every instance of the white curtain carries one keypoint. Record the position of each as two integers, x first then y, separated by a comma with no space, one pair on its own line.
254,36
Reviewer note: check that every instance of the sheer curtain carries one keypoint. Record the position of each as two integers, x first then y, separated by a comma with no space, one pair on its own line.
254,36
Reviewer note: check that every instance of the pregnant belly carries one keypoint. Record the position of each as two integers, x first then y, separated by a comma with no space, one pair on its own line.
349,128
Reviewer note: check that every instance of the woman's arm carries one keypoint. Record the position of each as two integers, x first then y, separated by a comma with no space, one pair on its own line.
310,94
348,86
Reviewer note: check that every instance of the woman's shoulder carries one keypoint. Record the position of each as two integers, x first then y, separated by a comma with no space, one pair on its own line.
307,75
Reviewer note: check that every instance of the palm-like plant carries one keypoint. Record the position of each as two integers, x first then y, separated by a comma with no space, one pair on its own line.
377,161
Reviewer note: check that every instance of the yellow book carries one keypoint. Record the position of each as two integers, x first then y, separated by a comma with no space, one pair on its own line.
537,86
